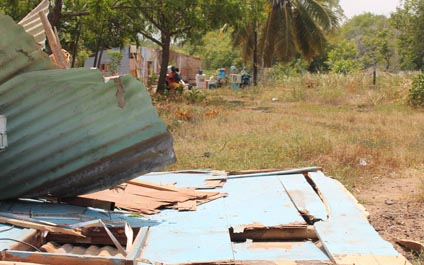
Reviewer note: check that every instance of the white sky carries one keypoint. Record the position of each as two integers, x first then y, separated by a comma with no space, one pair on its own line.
378,7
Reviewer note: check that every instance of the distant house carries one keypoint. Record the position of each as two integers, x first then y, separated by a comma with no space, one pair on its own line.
144,63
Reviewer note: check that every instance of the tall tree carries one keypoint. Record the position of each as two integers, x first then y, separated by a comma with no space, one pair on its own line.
374,38
246,32
297,26
167,21
409,21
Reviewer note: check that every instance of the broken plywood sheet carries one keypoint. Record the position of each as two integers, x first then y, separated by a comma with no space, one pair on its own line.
304,197
147,198
347,236
259,202
279,251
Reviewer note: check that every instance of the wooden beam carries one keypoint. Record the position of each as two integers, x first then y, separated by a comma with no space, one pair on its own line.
18,263
57,258
86,202
276,233
54,43
38,226
93,236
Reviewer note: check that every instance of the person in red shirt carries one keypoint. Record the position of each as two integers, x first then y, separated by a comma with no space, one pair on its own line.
172,78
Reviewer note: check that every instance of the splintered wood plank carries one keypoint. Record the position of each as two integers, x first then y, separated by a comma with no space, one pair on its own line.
304,197
260,203
279,251
347,236
145,197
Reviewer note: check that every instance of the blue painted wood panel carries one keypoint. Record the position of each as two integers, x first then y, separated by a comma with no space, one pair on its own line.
303,195
347,234
259,201
273,251
9,233
170,245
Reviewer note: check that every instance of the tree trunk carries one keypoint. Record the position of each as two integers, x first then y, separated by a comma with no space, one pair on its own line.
99,60
56,15
75,48
98,44
166,43
255,56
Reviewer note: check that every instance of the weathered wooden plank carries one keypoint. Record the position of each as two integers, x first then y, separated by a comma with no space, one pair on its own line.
17,263
195,179
290,233
304,197
260,203
266,173
347,236
57,258
279,251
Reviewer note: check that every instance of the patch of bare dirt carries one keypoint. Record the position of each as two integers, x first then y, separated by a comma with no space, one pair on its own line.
394,209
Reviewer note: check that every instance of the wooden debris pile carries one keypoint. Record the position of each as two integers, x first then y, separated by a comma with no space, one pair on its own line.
147,198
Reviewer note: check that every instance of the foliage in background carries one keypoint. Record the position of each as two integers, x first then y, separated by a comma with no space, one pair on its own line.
218,51
374,41
282,71
409,21
344,58
416,92
17,9
115,61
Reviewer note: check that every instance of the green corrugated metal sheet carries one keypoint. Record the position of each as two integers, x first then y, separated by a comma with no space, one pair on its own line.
67,135
18,51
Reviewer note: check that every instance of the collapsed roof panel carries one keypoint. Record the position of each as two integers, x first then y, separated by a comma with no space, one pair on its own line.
205,236
68,136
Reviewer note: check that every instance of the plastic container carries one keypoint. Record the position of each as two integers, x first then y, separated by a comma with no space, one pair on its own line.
201,81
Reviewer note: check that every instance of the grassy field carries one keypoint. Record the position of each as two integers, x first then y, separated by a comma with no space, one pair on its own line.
354,130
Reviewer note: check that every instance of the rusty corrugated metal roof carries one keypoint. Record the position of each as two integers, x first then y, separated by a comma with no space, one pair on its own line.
67,135
18,51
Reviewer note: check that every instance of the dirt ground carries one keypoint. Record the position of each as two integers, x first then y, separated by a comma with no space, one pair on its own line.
394,210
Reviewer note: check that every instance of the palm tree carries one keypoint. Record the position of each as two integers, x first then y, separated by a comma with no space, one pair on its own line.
297,26
245,33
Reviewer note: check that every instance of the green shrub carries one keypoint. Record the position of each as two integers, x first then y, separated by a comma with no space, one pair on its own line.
416,92
115,61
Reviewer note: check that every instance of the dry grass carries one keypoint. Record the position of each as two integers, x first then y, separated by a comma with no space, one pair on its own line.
333,121
421,192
